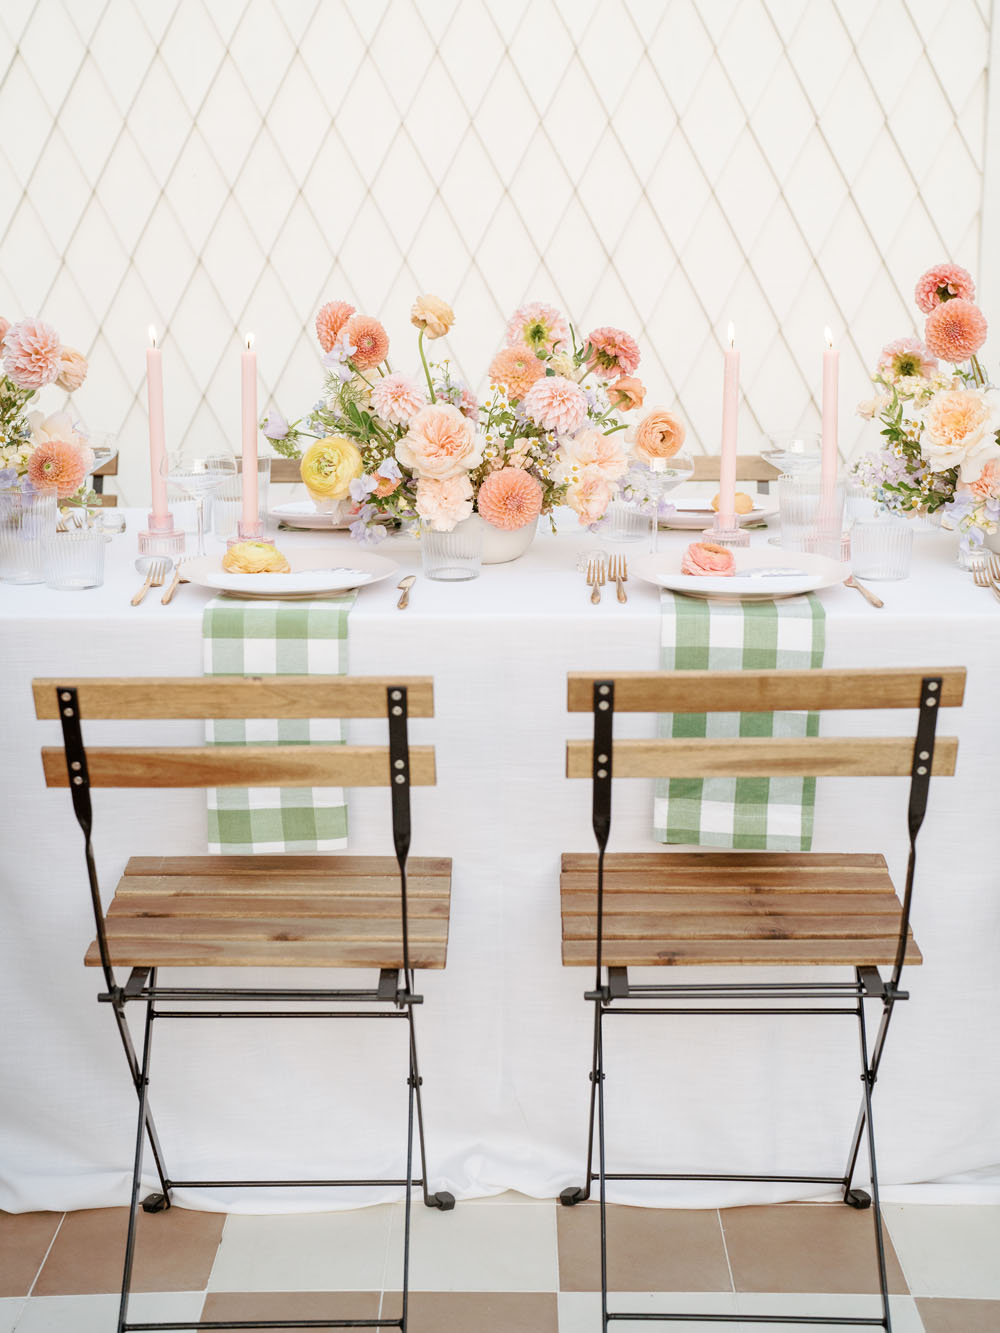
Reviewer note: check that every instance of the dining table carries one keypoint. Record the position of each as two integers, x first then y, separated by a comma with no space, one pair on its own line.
505,1033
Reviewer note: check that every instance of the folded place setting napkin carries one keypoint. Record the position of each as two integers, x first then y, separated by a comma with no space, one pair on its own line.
276,638
761,814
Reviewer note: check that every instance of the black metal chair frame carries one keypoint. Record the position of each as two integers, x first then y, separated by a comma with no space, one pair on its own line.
847,998
392,998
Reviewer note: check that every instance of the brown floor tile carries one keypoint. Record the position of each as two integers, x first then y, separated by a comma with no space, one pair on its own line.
291,1305
959,1316
486,1312
174,1251
806,1247
24,1238
649,1249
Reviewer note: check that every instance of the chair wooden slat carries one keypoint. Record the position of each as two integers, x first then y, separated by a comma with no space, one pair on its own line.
764,691
231,930
205,697
651,906
732,926
108,469
241,766
749,467
286,470
728,953
276,869
759,756
268,953
723,863
275,906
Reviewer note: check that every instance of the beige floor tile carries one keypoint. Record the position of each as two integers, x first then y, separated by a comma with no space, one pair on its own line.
24,1238
303,1252
948,1250
903,1309
291,1305
950,1316
484,1311
511,1247
806,1247
649,1249
174,1252
580,1311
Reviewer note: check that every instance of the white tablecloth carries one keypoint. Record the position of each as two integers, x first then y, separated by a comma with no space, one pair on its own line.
504,1033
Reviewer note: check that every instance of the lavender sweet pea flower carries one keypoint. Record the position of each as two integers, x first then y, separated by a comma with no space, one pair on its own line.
8,476
361,488
388,469
275,426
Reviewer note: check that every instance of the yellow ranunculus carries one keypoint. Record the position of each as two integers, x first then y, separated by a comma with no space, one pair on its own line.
329,466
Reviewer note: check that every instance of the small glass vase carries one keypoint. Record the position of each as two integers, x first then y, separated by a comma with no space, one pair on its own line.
27,522
452,557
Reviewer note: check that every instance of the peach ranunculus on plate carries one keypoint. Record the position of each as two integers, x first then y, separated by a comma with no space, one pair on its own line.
941,431
427,453
35,449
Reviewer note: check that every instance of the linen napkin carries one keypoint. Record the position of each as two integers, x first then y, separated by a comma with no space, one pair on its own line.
761,814
276,638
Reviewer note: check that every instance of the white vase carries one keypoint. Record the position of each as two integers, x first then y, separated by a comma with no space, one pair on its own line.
499,544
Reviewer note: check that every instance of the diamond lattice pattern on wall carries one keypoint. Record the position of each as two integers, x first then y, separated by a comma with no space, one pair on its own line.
211,166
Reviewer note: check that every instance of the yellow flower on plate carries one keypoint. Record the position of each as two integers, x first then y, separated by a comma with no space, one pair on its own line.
329,466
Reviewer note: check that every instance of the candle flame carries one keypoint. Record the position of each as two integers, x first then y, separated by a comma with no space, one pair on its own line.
731,334
152,336
249,338
828,335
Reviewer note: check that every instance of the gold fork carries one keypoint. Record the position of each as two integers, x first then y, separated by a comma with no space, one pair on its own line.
595,576
982,580
618,572
155,575
993,568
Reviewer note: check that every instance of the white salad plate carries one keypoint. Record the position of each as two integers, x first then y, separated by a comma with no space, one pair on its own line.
316,572
807,573
304,514
690,515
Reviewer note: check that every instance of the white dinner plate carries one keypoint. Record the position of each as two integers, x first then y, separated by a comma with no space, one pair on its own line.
699,514
304,514
317,571
817,571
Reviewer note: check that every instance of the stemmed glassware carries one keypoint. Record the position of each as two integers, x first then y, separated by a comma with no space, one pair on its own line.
197,475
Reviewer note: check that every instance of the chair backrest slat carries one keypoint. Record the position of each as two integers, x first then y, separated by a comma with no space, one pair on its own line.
756,756
241,766
749,467
216,697
764,691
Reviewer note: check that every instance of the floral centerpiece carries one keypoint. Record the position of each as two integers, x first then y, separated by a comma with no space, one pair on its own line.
39,451
941,453
411,450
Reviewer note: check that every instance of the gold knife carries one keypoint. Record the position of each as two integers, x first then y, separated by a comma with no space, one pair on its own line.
405,584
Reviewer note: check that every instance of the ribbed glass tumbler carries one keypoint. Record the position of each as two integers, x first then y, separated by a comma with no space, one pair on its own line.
27,520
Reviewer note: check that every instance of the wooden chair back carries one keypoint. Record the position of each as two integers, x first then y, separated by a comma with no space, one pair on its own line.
218,697
749,467
764,691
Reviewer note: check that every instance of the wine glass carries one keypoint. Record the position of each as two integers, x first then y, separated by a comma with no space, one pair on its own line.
661,476
792,451
197,475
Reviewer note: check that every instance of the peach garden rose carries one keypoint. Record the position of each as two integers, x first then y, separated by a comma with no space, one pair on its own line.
960,431
659,434
440,443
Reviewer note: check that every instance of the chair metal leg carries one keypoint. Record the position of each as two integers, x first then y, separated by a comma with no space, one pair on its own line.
867,1079
140,1139
157,1202
442,1199
414,1083
576,1193
602,1168
857,1198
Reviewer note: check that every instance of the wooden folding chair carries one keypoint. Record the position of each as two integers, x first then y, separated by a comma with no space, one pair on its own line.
749,467
748,908
389,913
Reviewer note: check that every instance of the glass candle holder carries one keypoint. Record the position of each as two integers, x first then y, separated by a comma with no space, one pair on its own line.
881,548
27,520
629,521
452,557
812,517
75,559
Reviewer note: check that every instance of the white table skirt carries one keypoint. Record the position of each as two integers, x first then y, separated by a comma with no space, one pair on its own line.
505,1033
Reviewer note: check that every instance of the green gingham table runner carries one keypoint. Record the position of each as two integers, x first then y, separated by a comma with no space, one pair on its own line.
773,814
276,638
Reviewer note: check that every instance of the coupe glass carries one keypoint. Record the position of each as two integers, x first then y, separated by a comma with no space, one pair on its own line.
197,475
792,451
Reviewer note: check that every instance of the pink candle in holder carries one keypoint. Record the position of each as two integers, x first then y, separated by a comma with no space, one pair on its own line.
250,527
160,537
725,529
831,386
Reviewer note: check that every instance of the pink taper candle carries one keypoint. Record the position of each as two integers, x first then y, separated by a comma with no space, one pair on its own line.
249,397
831,378
159,519
730,410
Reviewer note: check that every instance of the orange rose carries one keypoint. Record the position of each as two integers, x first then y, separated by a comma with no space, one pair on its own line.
626,393
659,435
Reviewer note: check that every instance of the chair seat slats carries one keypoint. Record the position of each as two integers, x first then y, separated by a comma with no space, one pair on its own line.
297,911
719,908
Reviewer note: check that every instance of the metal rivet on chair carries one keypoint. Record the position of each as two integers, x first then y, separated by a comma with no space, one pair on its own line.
602,772
77,781
400,763
921,770
75,765
604,705
67,712
602,758
396,694
930,702
66,696
400,777
925,754
397,711
604,689
932,685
